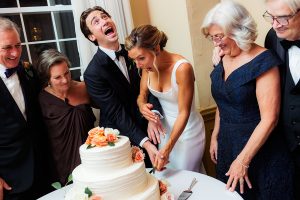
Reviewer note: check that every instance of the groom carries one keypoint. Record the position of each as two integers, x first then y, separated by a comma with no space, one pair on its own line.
112,80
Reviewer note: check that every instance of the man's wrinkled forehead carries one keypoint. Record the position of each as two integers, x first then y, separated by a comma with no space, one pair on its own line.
95,15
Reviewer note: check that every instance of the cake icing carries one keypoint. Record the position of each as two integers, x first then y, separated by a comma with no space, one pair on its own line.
110,173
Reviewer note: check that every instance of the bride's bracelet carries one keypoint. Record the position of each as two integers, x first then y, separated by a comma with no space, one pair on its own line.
246,166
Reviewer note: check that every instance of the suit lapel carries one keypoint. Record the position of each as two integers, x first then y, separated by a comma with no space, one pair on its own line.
283,68
113,69
296,89
25,89
10,105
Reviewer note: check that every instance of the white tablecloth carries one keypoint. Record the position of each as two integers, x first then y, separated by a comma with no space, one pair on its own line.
207,187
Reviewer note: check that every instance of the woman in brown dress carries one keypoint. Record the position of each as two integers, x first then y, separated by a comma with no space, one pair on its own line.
66,112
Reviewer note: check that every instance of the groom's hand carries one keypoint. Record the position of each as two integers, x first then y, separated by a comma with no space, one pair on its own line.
151,149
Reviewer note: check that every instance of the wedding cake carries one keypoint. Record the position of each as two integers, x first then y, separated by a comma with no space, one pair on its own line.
111,169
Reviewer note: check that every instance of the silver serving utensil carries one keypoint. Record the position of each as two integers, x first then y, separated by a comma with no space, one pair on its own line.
187,193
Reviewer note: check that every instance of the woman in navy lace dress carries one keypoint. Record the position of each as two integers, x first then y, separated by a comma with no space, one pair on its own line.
250,154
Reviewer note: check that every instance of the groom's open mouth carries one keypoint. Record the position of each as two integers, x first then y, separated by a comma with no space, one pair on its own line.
109,31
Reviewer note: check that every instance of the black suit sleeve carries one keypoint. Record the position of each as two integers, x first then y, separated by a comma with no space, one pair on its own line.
271,40
155,102
107,98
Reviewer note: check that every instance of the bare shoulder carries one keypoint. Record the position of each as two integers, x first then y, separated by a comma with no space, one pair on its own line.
79,87
184,67
185,72
257,49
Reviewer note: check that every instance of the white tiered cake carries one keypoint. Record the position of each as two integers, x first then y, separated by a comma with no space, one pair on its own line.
110,173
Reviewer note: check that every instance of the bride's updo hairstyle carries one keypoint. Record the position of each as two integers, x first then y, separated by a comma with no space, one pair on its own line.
236,22
146,36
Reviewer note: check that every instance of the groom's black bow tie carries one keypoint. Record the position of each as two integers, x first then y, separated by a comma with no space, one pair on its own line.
286,44
122,52
10,71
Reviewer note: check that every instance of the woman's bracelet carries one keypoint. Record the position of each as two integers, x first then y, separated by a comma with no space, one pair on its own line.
246,166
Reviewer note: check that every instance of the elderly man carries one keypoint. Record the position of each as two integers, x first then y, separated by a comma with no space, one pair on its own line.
20,125
284,38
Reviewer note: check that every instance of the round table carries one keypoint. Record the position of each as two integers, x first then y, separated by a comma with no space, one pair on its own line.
179,180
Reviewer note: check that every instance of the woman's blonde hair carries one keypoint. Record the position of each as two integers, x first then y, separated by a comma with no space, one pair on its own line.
146,36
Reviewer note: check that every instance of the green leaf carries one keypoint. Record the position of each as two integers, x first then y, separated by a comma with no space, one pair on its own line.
88,192
56,185
70,179
111,144
90,146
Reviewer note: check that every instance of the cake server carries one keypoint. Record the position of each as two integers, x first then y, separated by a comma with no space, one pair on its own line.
187,193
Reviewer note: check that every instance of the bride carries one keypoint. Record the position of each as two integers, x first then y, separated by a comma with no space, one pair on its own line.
169,77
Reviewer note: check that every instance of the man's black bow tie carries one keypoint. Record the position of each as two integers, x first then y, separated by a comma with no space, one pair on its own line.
286,44
122,52
10,71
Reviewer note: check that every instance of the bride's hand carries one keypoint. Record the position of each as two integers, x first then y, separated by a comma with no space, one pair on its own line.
162,159
155,131
145,110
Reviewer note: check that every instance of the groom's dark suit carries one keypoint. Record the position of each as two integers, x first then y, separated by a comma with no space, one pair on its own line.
290,98
115,96
19,136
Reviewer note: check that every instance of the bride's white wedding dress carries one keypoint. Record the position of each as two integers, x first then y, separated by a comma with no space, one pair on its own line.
188,151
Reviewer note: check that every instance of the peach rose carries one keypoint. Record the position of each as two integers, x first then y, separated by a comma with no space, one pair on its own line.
111,137
96,131
95,197
162,187
137,154
88,140
99,141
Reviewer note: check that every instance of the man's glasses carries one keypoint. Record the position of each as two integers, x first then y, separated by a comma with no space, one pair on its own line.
216,38
282,20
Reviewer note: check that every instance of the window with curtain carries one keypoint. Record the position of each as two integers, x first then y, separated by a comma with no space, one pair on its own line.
45,24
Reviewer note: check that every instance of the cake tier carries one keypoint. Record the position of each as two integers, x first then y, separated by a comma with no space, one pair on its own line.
106,159
132,182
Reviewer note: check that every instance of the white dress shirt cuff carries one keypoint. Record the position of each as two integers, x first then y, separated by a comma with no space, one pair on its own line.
158,114
143,141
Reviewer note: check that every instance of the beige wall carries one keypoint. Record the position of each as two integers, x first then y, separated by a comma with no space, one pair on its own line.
181,21
257,9
140,12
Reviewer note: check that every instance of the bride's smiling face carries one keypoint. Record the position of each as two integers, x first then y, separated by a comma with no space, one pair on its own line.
144,58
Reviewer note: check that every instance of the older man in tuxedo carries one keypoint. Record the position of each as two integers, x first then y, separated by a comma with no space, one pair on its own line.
284,38
20,125
113,81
